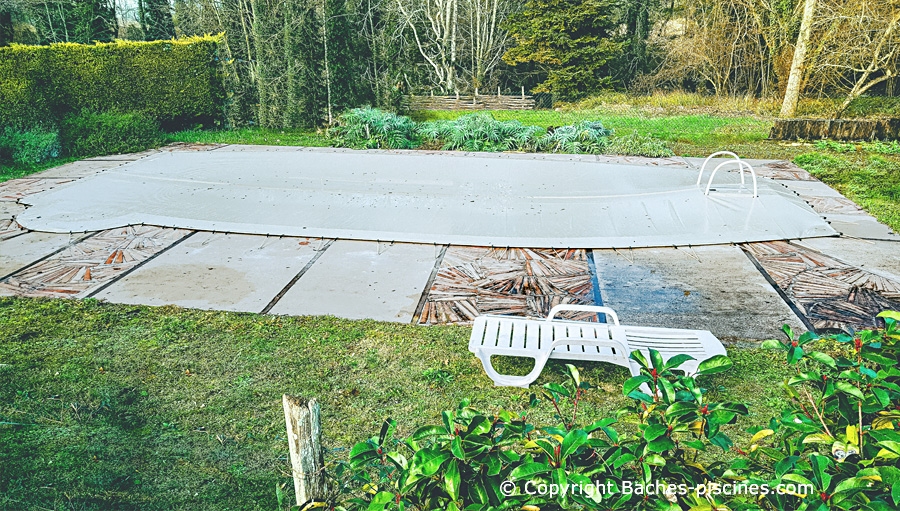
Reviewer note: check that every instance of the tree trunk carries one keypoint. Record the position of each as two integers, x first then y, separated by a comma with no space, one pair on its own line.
792,93
6,28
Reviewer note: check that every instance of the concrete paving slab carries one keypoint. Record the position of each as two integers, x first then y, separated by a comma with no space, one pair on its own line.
78,169
122,157
810,188
22,250
240,148
10,209
698,162
715,288
353,280
881,257
861,226
216,271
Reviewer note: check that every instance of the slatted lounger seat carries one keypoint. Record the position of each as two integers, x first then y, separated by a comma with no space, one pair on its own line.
542,339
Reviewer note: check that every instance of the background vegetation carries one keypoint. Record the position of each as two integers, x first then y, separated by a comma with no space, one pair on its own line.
294,63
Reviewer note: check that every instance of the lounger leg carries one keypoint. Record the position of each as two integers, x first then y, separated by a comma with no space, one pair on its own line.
504,380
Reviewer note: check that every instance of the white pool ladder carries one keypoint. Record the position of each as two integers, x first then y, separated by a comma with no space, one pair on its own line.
737,160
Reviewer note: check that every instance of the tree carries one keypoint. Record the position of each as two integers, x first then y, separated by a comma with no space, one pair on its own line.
95,20
342,57
859,47
434,25
156,19
6,22
792,92
307,92
570,39
636,17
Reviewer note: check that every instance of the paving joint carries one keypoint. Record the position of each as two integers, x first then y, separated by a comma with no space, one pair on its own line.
425,292
297,277
142,263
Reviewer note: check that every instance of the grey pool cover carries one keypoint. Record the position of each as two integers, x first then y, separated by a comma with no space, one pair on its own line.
426,199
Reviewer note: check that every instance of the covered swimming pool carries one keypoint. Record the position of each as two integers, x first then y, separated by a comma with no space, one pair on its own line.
483,200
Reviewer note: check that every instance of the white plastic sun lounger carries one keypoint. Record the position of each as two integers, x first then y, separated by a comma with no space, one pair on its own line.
542,339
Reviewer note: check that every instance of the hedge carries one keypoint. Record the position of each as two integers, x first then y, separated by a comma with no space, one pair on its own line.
177,81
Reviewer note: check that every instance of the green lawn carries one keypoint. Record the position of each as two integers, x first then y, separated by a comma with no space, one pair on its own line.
106,406
252,136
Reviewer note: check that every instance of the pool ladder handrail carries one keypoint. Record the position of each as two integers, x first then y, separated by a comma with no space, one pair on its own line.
737,160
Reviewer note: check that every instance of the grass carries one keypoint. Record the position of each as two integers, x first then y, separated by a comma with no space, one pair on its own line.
106,406
16,170
870,180
252,136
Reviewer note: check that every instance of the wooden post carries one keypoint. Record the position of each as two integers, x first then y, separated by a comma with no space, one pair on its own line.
523,92
304,430
498,91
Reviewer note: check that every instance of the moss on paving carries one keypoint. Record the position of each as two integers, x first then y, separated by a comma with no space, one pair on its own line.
106,406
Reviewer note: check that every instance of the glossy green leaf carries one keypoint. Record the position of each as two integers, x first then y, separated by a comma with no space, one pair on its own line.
822,358
677,360
529,470
633,383
575,439
452,480
428,461
716,364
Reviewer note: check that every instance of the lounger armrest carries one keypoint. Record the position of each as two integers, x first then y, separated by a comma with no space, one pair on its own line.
584,308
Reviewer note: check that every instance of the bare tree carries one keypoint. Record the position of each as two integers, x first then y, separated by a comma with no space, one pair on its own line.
434,26
859,46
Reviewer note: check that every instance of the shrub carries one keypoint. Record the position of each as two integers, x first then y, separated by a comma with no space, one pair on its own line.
95,134
638,145
372,128
839,433
29,147
179,82
462,462
581,137
480,132
835,445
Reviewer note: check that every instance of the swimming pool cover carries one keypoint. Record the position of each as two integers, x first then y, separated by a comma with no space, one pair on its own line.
426,198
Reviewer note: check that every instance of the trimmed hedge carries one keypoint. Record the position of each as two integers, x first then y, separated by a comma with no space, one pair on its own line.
179,81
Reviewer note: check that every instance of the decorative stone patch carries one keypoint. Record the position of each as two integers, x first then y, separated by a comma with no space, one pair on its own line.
832,294
525,282
87,265
783,170
10,228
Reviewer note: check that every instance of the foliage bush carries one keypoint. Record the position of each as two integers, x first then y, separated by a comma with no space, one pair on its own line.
178,82
581,137
95,134
638,145
373,128
29,146
480,132
835,446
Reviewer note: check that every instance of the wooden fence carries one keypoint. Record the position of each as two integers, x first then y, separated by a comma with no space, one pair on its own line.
836,129
475,102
